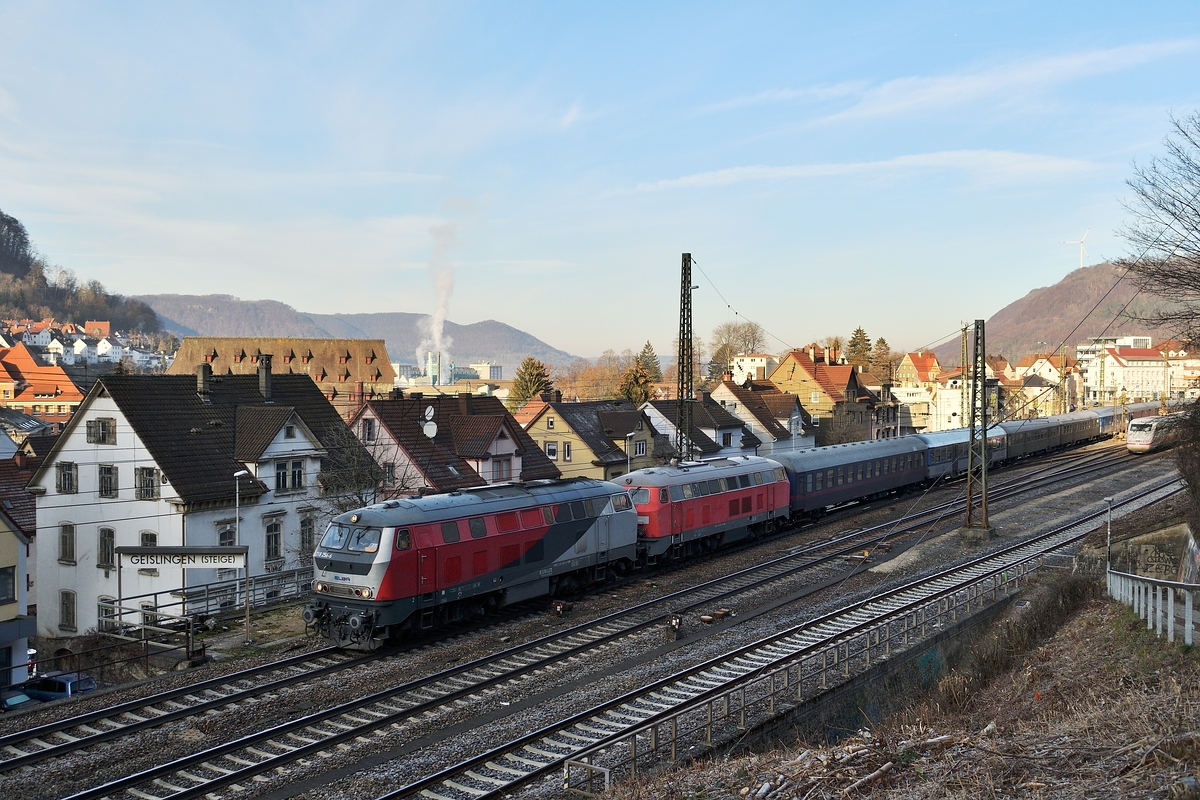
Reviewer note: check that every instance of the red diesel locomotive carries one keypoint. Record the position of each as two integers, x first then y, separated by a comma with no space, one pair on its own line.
696,507
420,562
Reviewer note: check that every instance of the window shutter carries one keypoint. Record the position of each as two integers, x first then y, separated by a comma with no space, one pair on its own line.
91,430
116,484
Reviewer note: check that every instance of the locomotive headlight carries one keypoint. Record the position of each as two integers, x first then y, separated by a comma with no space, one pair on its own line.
367,593
320,587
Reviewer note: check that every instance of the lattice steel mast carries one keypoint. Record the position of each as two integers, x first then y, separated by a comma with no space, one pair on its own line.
977,457
685,387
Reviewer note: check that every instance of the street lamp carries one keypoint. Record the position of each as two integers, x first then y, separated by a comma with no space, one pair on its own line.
237,537
1108,545
628,460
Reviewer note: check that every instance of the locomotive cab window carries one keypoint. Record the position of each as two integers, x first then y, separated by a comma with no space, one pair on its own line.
621,502
363,540
403,539
664,496
335,538
641,497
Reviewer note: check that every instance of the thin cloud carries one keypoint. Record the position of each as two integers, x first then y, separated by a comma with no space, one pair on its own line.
915,93
991,166
785,95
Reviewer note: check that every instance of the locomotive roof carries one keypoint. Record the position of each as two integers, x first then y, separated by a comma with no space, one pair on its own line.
477,500
696,471
837,454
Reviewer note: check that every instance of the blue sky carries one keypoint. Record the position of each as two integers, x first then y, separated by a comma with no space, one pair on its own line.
902,167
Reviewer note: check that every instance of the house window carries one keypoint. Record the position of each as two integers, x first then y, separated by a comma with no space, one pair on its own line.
8,584
368,431
66,610
67,480
108,480
289,431
106,550
815,398
102,431
501,469
566,451
148,539
550,423
66,543
289,475
639,447
146,483
106,613
227,536
274,541
389,474
308,534
552,451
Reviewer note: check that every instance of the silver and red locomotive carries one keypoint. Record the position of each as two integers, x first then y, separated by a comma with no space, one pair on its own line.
420,562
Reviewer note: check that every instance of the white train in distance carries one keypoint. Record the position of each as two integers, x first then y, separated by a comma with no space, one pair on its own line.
1153,433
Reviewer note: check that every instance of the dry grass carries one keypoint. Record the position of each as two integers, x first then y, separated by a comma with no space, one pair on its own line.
1102,709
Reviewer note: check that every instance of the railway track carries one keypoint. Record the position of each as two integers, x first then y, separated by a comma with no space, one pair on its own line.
863,632
399,707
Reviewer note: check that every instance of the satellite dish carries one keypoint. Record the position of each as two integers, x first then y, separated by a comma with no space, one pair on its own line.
430,429
429,412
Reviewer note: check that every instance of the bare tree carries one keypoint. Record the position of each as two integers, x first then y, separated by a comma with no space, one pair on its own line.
1163,233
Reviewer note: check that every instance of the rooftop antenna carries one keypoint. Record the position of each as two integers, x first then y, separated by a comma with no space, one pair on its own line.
1082,248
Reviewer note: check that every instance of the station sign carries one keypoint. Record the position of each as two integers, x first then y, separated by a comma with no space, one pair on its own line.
186,557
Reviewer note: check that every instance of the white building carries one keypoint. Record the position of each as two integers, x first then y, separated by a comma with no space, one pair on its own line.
1125,374
752,366
151,460
488,371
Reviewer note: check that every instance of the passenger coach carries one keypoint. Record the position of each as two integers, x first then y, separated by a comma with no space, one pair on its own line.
824,476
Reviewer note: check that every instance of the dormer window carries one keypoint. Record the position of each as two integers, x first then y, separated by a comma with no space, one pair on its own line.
289,432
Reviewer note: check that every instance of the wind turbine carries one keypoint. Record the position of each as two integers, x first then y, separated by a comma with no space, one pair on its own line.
1082,249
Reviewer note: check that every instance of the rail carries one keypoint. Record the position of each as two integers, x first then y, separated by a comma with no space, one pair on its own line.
1154,601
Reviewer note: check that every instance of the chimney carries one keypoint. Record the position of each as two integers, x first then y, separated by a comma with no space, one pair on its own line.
203,376
396,394
705,397
359,394
19,460
464,403
558,396
415,395
264,376
726,375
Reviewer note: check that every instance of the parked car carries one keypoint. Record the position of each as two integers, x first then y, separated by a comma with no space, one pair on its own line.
57,685
16,700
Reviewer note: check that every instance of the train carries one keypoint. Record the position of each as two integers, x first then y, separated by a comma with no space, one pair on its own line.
422,562
1152,433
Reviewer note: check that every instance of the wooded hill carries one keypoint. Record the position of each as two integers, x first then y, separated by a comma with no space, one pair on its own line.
1042,319
32,288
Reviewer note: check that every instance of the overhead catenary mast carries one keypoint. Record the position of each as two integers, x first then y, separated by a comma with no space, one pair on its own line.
684,382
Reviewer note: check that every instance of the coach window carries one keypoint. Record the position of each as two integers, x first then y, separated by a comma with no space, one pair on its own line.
841,475
820,481
403,539
808,482
478,527
860,472
450,532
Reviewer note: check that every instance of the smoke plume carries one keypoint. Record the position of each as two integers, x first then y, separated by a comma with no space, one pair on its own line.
442,272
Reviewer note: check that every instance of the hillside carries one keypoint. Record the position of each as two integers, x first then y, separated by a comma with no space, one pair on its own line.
1052,314
225,315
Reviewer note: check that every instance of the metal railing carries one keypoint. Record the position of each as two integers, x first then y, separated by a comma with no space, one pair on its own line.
1154,600
228,596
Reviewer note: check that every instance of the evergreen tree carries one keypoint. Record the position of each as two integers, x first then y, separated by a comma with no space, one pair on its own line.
881,358
636,385
532,378
858,349
649,361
